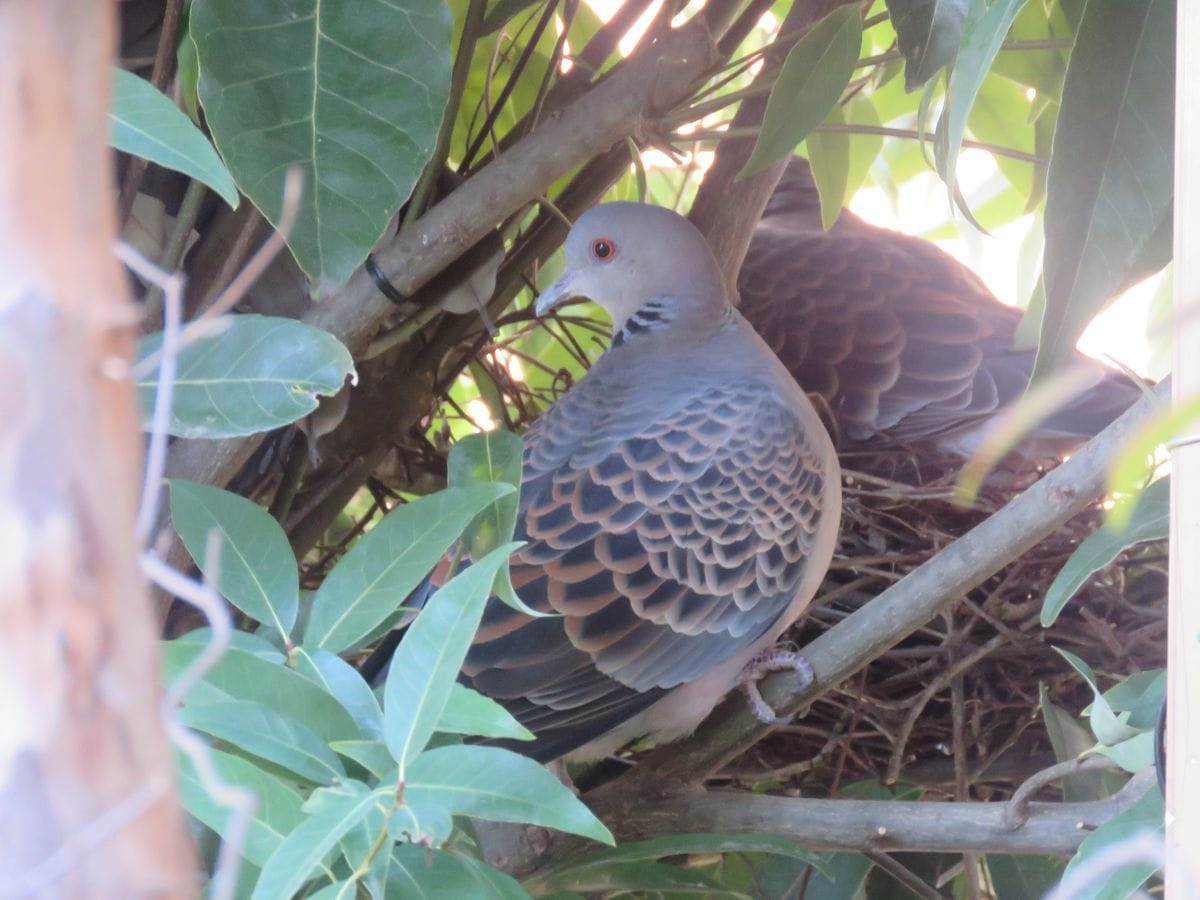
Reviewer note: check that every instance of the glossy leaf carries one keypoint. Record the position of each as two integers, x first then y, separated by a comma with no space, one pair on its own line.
639,876
1144,818
493,456
840,161
1023,877
388,563
470,712
299,854
987,24
1108,193
495,784
810,82
372,755
427,661
146,123
351,93
240,675
1133,754
276,811
343,682
256,569
1141,695
1070,740
260,731
702,844
927,33
249,374
1105,724
1149,522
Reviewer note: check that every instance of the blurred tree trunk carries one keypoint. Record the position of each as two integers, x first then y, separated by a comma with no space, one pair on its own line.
88,805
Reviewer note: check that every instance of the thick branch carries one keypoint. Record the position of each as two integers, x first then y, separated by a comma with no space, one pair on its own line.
1052,828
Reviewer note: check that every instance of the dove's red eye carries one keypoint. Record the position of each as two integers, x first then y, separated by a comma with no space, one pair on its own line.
603,249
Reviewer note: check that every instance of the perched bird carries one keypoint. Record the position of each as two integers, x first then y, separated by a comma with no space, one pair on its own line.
903,342
680,503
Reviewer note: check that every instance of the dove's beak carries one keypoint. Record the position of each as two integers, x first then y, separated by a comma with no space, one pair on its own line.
557,294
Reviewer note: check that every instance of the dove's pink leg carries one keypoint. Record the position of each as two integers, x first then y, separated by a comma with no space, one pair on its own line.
761,665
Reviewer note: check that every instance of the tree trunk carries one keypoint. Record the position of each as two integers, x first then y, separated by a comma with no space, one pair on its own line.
88,805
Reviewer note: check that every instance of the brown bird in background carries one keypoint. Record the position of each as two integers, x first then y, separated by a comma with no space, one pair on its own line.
902,342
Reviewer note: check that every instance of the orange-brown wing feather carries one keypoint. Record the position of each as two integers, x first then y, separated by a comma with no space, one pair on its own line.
665,540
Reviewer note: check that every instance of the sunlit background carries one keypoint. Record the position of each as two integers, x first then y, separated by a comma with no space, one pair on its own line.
1007,258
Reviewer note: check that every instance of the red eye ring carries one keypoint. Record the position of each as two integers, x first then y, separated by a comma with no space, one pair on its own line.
603,250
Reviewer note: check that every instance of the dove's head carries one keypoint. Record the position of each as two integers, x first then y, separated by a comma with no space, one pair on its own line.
624,256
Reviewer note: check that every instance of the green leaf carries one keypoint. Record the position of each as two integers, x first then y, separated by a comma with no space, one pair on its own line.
846,875
424,667
840,161
811,81
1141,695
1149,522
302,850
351,93
439,875
246,375
987,24
498,785
147,124
346,685
240,675
1133,754
470,712
276,813
1108,193
339,890
257,569
188,68
1070,740
639,876
262,732
700,844
927,33
371,755
493,456
1105,725
387,563
1144,818
1023,877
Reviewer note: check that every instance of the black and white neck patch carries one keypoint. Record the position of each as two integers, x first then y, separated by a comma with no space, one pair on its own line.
654,314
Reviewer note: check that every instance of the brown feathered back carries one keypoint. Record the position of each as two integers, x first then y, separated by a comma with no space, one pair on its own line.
903,342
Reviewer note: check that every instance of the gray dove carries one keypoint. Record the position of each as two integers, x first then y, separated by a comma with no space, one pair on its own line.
680,505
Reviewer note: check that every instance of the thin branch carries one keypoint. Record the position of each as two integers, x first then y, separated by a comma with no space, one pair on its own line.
882,826
739,133
1017,812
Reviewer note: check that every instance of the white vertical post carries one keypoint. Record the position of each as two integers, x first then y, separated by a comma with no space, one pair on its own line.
1183,656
